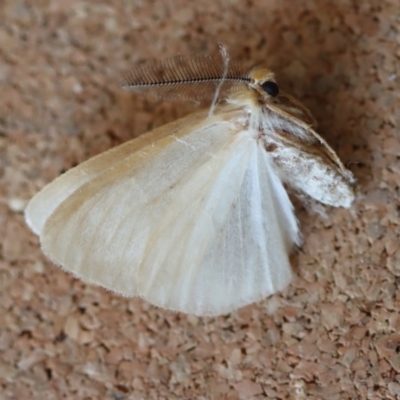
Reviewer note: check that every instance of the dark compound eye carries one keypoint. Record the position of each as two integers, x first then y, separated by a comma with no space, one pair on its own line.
271,88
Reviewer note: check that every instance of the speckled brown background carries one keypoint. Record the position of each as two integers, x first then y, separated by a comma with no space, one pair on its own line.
332,334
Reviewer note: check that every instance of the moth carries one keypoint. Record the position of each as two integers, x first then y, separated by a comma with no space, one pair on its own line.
194,216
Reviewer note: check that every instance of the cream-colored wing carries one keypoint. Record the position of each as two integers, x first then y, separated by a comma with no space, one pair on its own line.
225,240
51,196
198,223
101,230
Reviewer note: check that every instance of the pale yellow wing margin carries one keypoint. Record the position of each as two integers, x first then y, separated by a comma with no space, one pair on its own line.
100,232
51,196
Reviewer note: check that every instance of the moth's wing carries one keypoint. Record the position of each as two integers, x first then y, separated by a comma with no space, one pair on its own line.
225,240
198,222
43,204
100,231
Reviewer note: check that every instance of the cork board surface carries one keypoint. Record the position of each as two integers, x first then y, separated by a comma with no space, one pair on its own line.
332,334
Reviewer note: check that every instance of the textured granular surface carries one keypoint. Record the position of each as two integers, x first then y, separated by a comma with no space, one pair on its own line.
332,334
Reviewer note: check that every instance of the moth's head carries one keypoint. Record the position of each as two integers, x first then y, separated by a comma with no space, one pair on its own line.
262,80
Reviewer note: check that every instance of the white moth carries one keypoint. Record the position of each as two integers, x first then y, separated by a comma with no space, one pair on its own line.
194,216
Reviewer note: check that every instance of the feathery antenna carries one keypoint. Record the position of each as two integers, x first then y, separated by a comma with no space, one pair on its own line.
187,78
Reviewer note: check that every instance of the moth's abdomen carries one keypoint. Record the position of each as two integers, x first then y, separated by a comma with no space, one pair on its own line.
311,174
302,158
